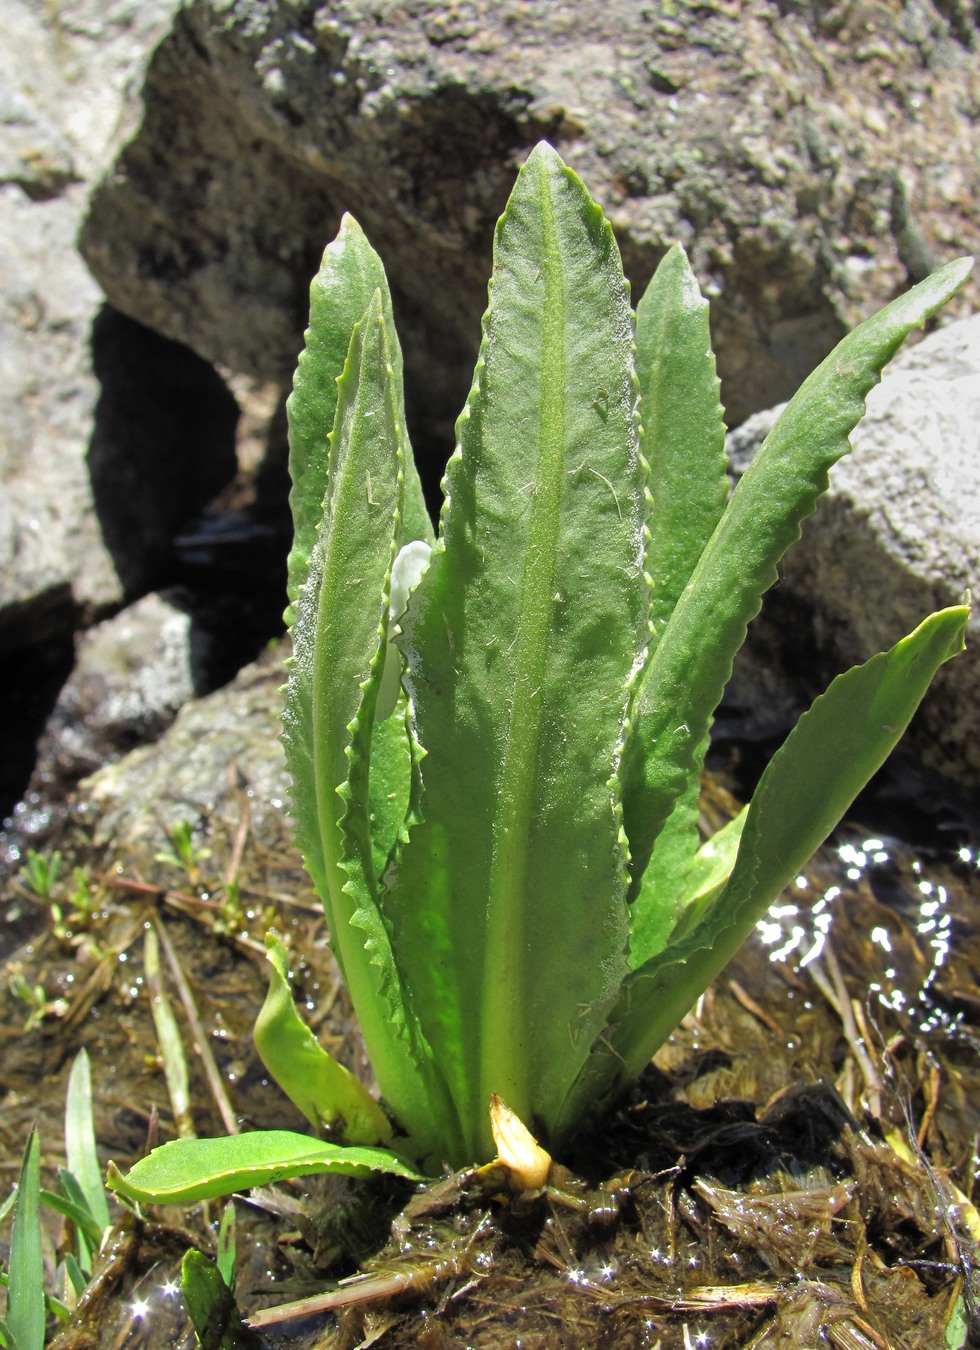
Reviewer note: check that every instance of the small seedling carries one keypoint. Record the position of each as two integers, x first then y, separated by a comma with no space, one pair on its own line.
40,873
80,1198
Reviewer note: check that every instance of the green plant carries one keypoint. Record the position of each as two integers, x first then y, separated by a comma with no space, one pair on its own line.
496,738
40,872
80,1198
184,851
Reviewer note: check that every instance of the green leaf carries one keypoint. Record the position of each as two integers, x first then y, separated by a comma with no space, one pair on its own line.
683,429
227,1245
211,1306
341,292
312,1079
712,866
169,1039
73,1205
25,1289
683,683
339,651
186,1170
810,782
390,784
684,442
83,1158
521,639
77,1276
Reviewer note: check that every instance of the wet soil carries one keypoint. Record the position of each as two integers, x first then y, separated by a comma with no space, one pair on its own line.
796,1168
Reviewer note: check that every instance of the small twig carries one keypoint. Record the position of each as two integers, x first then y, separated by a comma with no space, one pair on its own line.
369,1288
750,1006
241,834
194,907
844,1007
932,1102
211,1071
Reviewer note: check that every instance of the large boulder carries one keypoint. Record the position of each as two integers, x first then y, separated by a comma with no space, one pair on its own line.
813,158
896,536
110,435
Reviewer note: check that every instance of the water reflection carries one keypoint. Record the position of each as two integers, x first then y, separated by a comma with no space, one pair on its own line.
909,931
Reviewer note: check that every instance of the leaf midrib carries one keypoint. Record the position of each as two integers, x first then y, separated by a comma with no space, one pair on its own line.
506,1061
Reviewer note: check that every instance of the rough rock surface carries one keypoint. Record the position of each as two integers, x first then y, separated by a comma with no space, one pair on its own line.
813,157
109,435
220,761
896,536
132,674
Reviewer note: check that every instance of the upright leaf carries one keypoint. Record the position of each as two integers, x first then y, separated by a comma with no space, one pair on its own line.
684,441
339,647
341,291
810,782
683,435
83,1159
683,683
25,1288
509,900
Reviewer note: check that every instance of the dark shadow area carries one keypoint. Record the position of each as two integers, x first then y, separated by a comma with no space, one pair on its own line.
163,444
31,677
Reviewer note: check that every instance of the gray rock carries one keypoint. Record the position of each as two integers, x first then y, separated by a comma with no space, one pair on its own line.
132,675
220,761
103,454
813,160
896,536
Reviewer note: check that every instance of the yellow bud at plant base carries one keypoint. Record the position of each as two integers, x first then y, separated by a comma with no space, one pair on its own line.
517,1147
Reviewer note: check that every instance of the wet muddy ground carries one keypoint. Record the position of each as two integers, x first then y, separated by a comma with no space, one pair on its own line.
797,1168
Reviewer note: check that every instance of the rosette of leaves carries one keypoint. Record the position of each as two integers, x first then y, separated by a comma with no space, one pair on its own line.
496,735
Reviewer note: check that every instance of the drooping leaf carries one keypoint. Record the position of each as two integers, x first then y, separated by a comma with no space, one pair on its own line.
683,683
341,291
521,639
808,785
185,1170
324,1090
328,720
25,1288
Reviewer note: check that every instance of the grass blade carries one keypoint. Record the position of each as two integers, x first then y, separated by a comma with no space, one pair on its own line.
227,1245
80,1147
25,1290
74,1208
168,1038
